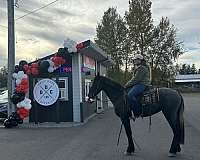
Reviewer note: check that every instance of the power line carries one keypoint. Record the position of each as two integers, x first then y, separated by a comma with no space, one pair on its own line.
31,12
36,10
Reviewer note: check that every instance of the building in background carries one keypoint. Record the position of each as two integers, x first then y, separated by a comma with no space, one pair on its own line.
188,81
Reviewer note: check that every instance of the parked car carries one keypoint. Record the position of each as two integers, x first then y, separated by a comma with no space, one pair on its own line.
4,104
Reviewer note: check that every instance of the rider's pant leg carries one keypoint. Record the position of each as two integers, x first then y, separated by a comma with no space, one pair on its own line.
132,97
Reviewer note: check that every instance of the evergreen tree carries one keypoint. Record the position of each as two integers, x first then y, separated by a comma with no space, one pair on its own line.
183,69
199,71
193,69
188,69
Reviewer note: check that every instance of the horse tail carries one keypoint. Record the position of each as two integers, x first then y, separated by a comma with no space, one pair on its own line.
181,122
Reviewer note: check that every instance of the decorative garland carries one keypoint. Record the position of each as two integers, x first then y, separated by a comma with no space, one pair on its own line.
20,75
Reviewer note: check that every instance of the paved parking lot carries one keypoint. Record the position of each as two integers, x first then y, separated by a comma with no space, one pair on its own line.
97,139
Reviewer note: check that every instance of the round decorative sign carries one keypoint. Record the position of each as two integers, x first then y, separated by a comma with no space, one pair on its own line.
46,92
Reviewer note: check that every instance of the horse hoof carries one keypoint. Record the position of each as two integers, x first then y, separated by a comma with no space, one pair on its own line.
128,153
179,149
171,154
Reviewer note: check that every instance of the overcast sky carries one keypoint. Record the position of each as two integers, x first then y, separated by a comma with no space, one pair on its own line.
42,33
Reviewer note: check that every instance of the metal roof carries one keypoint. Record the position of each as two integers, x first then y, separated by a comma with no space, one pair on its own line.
187,78
97,53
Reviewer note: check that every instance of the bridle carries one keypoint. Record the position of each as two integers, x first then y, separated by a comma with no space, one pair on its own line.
90,99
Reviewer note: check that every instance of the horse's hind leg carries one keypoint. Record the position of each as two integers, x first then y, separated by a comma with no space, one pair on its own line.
172,120
127,126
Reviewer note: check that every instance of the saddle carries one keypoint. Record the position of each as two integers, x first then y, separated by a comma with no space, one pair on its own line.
149,96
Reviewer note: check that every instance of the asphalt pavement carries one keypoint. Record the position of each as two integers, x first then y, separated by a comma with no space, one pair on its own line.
97,139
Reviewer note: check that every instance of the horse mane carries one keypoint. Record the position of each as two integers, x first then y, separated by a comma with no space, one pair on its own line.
112,82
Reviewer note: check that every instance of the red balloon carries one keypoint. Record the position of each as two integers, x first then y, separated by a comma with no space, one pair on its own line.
34,65
79,46
63,61
24,81
23,113
34,71
56,61
28,71
26,67
22,88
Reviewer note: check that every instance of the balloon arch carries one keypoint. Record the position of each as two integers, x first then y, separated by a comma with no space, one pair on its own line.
20,75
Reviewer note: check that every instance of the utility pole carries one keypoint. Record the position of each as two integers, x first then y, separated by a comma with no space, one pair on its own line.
11,52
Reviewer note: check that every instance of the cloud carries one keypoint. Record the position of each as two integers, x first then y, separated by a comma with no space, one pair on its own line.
43,32
191,57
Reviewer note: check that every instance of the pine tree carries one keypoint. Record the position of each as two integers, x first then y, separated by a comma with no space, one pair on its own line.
193,69
199,71
183,69
188,69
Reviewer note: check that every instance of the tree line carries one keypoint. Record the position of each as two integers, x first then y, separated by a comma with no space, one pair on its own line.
188,69
135,33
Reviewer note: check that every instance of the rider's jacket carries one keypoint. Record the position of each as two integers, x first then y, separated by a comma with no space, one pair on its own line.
141,75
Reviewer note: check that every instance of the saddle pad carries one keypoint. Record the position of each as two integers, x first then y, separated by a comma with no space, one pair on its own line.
150,97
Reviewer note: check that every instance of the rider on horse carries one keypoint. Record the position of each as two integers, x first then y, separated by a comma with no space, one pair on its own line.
138,83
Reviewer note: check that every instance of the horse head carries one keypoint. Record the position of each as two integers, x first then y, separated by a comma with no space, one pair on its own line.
95,88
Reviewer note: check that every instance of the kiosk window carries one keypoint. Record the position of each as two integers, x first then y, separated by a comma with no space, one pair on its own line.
63,87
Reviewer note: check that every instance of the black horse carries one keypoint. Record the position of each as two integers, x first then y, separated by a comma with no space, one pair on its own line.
170,103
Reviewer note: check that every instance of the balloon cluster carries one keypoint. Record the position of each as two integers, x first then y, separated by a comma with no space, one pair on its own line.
49,65
18,98
13,120
20,75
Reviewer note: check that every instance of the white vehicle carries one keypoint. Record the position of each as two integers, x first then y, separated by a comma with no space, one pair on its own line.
3,104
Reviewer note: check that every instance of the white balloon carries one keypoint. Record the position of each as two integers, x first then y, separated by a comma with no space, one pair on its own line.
14,75
27,100
20,73
50,69
28,106
23,103
25,76
19,105
70,44
18,81
70,50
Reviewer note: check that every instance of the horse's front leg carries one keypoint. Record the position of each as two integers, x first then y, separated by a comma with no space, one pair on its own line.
127,126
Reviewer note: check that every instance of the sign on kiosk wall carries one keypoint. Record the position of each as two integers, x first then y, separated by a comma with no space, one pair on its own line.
46,92
88,62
